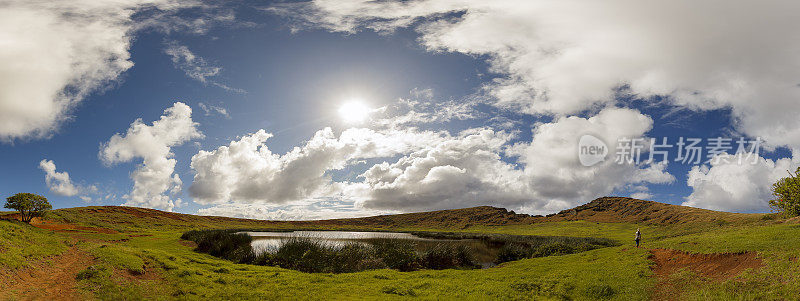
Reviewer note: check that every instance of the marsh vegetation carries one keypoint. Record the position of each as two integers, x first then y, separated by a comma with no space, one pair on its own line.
344,252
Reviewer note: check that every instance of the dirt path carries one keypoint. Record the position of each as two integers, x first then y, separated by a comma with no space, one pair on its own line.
715,267
49,279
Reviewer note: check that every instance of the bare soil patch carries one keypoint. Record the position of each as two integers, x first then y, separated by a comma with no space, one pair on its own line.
714,267
49,279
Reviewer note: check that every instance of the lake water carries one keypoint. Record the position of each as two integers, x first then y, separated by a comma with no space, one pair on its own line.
270,241
265,241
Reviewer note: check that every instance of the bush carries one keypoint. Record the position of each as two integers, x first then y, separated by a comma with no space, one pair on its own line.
787,193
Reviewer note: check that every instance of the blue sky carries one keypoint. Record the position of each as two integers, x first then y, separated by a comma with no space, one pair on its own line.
287,69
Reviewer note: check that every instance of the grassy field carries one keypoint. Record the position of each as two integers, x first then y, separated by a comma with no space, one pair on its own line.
18,248
143,257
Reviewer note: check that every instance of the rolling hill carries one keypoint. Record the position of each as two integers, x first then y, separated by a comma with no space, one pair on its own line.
620,209
605,210
115,252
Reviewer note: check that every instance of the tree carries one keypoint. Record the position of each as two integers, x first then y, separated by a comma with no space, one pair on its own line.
787,193
29,205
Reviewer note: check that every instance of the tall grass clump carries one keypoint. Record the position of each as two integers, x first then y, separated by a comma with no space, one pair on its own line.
447,256
314,256
397,254
226,244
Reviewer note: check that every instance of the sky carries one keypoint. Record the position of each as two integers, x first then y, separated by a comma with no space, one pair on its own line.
332,109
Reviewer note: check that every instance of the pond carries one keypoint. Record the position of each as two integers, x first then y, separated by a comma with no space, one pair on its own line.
483,252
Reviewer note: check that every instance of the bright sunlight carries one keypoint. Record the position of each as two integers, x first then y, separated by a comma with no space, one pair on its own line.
354,111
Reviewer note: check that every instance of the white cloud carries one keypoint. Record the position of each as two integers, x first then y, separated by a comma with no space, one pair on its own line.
461,171
313,211
55,53
734,183
58,182
469,170
435,170
154,177
247,171
558,178
563,57
195,67
212,109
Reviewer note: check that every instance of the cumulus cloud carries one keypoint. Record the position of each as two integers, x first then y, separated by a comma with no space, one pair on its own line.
154,178
55,53
555,173
563,57
460,171
470,169
58,182
247,171
195,67
736,182
435,170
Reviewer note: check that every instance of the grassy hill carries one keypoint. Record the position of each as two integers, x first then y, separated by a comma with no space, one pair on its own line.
114,252
619,209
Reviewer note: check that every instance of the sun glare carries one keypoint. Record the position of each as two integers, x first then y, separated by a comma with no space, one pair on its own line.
354,112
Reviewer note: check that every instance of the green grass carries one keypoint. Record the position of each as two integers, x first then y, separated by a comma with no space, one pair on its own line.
121,257
624,274
21,244
175,271
776,237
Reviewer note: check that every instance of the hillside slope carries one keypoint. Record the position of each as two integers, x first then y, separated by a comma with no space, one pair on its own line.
604,210
453,218
621,209
117,217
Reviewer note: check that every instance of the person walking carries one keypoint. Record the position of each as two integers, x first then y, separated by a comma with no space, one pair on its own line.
638,237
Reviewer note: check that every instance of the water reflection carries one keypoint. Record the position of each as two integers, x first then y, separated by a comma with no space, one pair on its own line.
268,241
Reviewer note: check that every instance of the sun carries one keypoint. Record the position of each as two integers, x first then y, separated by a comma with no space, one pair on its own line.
354,111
